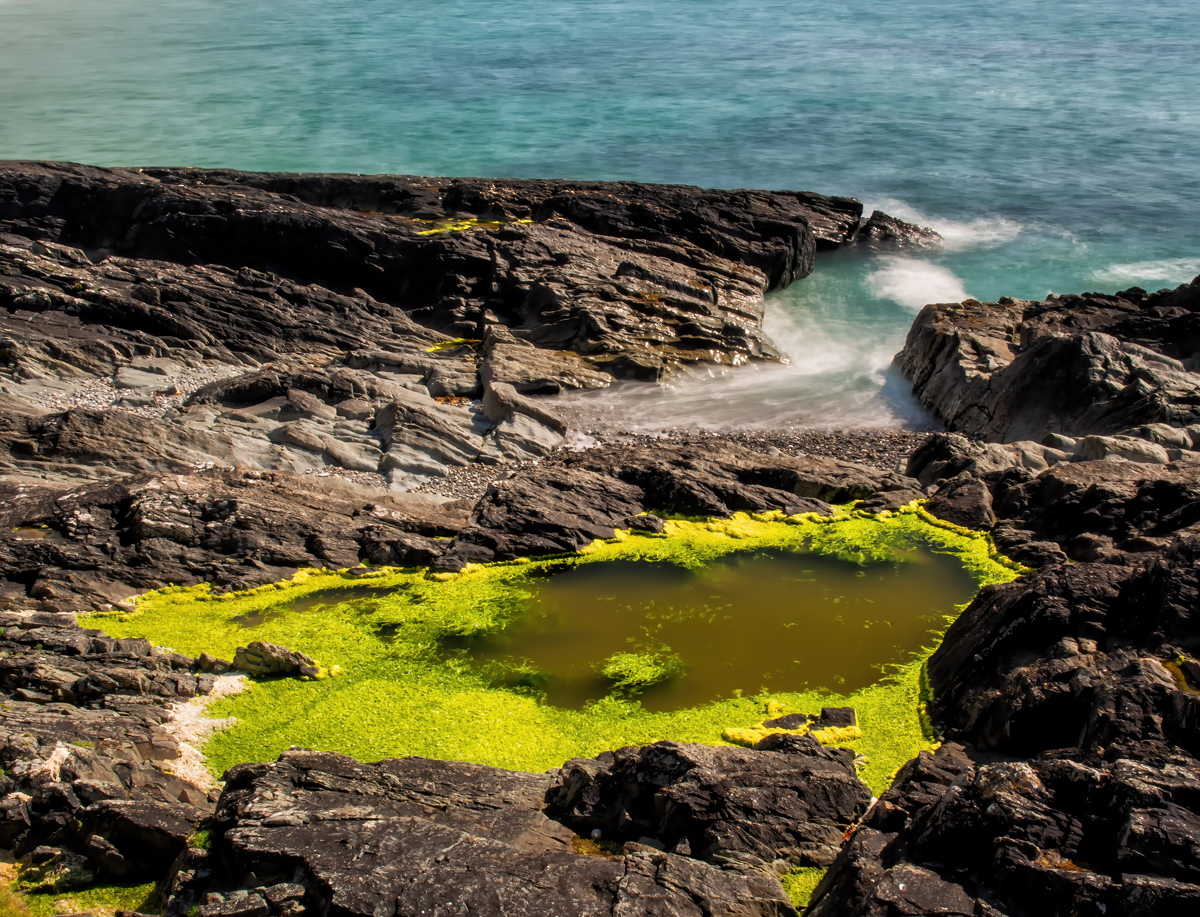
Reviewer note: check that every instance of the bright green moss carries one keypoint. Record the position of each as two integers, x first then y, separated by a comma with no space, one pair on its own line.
101,900
635,670
451,225
400,696
453,344
800,883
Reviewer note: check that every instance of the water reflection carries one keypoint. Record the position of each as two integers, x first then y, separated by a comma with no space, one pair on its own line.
776,620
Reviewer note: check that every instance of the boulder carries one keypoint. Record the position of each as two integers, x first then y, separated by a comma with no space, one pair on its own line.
1071,365
738,808
265,660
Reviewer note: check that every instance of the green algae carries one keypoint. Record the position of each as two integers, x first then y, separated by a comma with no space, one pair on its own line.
636,670
800,883
453,344
402,696
100,900
459,225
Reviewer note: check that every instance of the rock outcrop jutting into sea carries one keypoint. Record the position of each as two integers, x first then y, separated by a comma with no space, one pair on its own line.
222,377
234,331
1071,697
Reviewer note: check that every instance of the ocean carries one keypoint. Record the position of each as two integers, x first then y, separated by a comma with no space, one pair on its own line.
1055,146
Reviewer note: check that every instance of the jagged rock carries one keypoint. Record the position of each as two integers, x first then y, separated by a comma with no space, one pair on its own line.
416,836
89,790
730,807
263,660
1065,506
561,507
1072,365
597,268
104,542
1074,681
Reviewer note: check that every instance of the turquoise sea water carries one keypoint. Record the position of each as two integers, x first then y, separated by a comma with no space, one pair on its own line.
1056,145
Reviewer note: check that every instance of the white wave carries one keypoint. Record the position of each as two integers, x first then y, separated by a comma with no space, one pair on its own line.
1170,270
913,282
960,235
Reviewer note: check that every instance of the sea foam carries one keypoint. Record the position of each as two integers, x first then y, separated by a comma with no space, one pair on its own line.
1167,270
913,282
960,235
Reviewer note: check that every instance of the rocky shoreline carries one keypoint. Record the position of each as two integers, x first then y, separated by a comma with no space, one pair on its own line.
222,377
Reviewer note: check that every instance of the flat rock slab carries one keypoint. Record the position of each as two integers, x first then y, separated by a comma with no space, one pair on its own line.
415,836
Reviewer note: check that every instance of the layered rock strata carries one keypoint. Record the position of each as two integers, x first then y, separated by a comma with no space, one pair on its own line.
683,834
388,326
1075,366
88,789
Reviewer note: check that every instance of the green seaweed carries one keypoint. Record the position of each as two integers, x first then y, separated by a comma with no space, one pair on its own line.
453,344
451,224
402,696
632,671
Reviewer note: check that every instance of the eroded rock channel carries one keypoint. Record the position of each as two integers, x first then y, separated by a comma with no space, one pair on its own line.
219,377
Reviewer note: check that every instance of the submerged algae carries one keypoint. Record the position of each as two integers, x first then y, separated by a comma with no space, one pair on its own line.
401,697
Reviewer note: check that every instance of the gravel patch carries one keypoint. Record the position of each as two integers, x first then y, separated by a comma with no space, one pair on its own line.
366,478
101,394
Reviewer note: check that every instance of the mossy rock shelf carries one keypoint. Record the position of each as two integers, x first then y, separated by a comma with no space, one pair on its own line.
390,689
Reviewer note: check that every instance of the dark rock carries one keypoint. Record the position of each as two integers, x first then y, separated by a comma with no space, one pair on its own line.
889,500
1073,681
89,773
239,529
408,836
965,501
264,660
723,805
840,717
646,522
1073,365
563,506
603,268
882,232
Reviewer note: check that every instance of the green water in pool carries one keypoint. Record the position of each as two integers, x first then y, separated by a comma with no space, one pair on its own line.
783,620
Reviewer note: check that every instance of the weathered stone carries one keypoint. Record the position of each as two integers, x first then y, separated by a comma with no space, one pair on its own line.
413,835
264,660
561,507
1073,365
745,808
